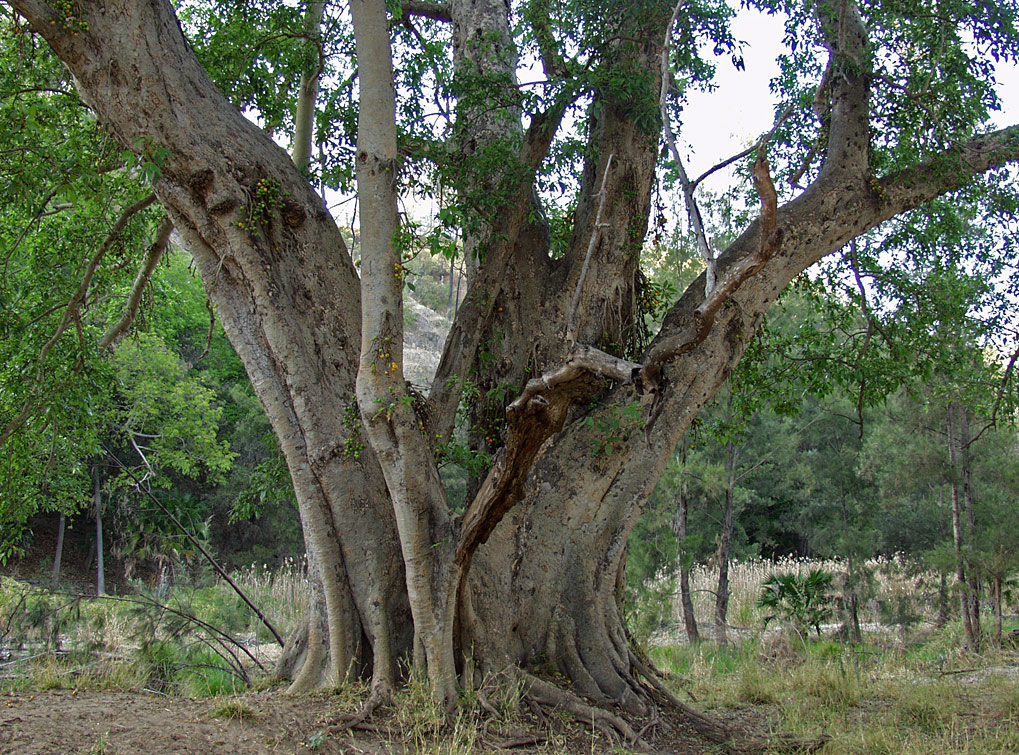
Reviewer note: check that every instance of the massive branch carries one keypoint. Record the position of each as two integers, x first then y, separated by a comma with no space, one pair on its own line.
460,349
849,69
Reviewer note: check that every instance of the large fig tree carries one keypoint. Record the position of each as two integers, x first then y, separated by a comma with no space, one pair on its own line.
549,361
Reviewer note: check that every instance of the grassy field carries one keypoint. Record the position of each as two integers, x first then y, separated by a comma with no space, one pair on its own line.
905,689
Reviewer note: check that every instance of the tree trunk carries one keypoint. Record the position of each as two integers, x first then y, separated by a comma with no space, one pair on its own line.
422,515
725,546
997,609
680,524
959,536
851,588
304,112
540,570
59,551
942,618
975,583
97,501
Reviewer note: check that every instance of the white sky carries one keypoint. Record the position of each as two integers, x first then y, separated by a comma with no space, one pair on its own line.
723,123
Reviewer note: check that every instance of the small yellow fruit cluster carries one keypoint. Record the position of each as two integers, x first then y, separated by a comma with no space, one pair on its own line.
391,367
68,17
266,197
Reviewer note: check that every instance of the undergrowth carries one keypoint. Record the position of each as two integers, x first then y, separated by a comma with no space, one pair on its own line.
878,697
898,692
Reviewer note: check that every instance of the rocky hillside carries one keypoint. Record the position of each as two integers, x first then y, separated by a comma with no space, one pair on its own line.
425,332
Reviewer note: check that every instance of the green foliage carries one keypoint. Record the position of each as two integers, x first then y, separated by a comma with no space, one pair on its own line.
173,411
802,600
57,214
648,610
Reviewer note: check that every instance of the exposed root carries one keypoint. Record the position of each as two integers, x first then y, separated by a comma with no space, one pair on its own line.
714,730
613,727
536,710
381,696
524,740
708,727
487,706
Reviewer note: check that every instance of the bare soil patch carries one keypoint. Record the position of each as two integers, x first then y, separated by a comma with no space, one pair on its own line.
66,722
125,723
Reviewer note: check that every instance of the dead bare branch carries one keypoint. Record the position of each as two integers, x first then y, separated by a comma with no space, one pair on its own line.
571,327
748,151
731,279
693,212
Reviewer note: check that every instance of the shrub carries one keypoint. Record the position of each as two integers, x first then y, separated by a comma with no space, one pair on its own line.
801,600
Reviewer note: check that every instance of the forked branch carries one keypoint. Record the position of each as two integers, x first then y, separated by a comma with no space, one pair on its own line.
537,414
693,212
541,409
731,279
465,335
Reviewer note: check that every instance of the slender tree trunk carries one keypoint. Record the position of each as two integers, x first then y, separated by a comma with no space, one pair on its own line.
975,582
725,546
680,523
59,551
942,618
854,613
997,609
422,515
98,503
959,536
304,112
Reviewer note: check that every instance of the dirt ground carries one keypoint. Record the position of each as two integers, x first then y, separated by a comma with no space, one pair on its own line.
65,722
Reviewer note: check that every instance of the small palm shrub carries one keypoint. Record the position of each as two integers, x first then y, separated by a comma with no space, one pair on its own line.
801,600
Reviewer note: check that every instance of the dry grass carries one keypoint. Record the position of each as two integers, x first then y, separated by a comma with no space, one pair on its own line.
897,693
282,594
892,582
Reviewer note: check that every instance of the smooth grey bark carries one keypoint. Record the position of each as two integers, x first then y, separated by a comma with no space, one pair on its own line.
307,90
395,432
